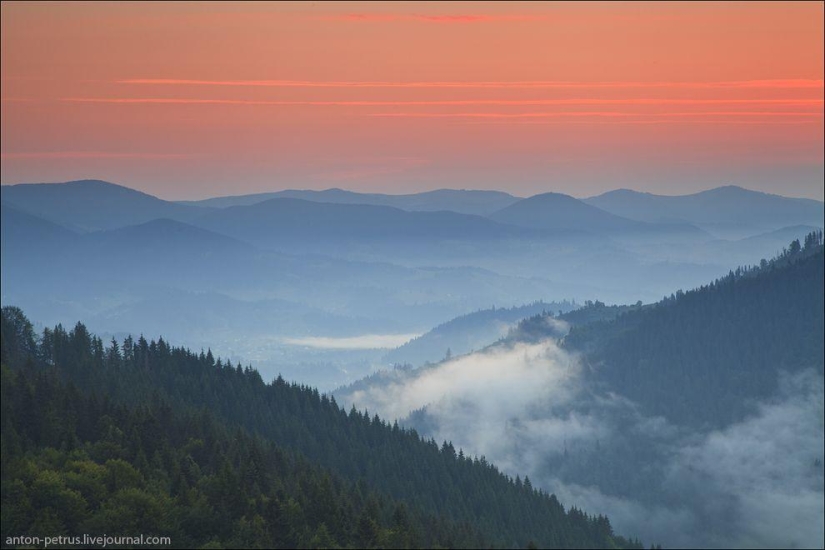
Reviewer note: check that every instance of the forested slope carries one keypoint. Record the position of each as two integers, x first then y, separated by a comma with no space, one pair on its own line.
140,407
77,464
703,357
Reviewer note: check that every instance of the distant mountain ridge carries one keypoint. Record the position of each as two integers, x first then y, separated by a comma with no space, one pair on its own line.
166,233
91,205
462,201
296,219
729,212
21,230
558,212
717,210
113,274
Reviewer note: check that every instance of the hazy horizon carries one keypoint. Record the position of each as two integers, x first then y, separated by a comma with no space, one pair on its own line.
355,189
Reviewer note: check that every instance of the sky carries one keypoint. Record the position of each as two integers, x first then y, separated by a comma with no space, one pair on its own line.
191,100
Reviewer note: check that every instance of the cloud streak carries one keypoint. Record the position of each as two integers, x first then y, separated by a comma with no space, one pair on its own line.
632,116
452,102
598,114
92,155
736,84
366,341
684,120
435,18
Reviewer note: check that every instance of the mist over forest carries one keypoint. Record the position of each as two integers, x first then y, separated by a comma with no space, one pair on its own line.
653,360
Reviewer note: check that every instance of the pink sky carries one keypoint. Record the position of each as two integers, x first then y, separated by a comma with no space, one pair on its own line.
187,100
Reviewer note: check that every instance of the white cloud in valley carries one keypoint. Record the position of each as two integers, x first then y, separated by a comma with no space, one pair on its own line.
757,483
365,341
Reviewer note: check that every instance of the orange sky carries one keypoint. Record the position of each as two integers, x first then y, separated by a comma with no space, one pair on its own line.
193,100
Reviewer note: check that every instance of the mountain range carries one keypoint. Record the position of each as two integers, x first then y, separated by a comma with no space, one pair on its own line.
296,220
462,201
728,211
90,205
104,252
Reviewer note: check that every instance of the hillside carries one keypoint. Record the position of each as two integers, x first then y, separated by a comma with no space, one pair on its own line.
555,212
692,420
168,238
21,231
134,385
535,328
704,356
295,220
206,484
558,212
91,205
467,333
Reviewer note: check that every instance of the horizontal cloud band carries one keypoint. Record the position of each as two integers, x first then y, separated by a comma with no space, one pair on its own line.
774,83
457,102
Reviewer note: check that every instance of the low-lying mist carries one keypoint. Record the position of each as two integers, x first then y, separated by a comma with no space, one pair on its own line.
365,341
528,409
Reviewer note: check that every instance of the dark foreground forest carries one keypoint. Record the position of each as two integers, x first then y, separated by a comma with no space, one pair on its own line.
141,437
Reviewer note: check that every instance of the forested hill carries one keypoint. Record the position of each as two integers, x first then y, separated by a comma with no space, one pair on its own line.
80,464
144,437
703,357
468,332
